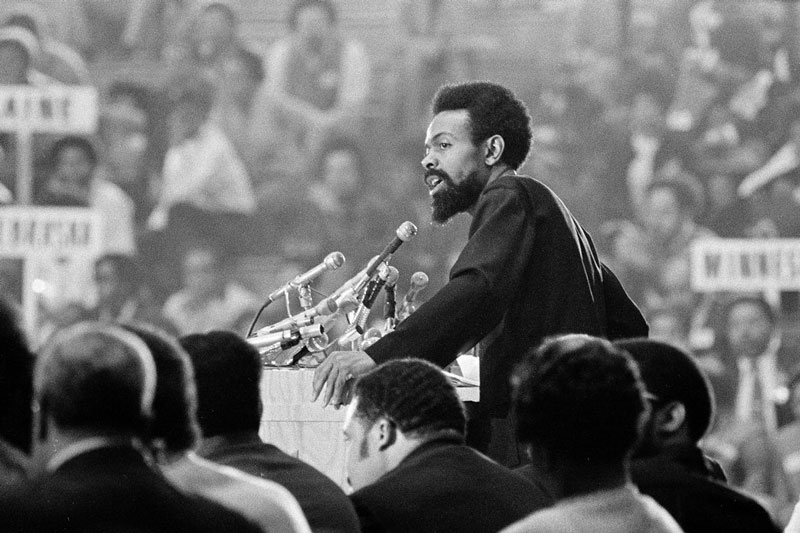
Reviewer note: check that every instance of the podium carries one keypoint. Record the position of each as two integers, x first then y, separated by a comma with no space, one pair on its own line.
303,429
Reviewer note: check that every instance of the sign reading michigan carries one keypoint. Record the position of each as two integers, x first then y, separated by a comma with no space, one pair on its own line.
745,264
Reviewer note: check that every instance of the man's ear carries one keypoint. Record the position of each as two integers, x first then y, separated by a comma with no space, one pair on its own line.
387,433
671,417
494,149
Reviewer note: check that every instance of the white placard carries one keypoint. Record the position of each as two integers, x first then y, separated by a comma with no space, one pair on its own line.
36,231
745,265
48,109
55,247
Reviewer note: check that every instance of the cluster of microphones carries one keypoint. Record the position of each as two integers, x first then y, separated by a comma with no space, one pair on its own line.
287,341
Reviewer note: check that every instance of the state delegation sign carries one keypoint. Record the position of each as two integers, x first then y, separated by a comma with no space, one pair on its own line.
745,265
48,109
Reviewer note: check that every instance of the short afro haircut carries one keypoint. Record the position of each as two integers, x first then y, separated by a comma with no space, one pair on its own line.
672,375
581,398
227,371
412,393
493,110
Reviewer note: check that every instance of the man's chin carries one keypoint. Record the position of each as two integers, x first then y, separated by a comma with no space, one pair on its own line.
440,216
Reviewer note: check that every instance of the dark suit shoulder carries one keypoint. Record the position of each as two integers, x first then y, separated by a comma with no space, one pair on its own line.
447,488
698,503
324,503
112,490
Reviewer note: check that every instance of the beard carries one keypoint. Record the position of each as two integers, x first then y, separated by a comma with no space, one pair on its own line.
455,197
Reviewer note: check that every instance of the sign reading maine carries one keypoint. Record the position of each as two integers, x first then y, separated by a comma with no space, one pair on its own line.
746,264
48,230
50,109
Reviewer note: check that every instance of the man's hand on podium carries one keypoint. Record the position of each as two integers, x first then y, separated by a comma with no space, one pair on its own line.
336,375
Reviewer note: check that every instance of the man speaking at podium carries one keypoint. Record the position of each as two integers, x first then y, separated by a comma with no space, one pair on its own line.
529,270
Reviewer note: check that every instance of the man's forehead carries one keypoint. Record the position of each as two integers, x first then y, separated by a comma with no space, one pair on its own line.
454,122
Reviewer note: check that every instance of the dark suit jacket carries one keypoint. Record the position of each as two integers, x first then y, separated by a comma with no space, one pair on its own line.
528,271
446,486
324,503
680,480
111,489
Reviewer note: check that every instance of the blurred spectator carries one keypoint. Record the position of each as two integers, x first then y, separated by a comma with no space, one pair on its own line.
18,52
55,59
580,406
319,77
155,28
174,434
208,44
788,439
668,465
726,214
752,396
657,252
93,389
72,181
127,131
233,112
209,299
670,325
204,178
429,53
230,424
121,294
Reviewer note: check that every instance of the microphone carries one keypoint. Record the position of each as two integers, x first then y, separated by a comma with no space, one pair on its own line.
362,313
306,318
331,262
286,338
419,280
390,303
405,232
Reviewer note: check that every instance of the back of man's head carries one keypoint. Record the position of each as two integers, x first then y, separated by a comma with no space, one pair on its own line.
671,375
228,375
96,377
580,399
415,395
174,428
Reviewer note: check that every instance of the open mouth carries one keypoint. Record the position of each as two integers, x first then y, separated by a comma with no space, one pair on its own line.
434,183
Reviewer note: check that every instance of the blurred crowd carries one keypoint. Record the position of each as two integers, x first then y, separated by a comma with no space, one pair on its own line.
223,166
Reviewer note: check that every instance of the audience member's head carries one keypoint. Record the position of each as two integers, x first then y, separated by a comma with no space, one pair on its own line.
72,160
312,21
748,326
191,105
117,278
173,430
244,74
97,379
680,396
18,48
670,204
204,267
228,374
215,30
16,380
579,400
395,408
